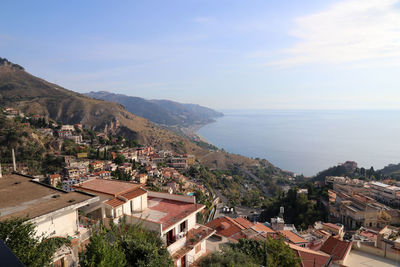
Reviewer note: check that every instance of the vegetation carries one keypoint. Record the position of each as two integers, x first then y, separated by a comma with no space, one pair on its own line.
20,236
249,252
301,210
126,245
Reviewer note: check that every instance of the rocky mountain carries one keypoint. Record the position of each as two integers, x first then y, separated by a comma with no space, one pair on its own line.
164,112
33,95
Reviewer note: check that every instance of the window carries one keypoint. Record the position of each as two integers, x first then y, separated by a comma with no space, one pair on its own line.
182,227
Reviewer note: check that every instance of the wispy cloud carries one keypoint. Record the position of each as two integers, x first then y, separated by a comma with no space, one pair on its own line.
348,32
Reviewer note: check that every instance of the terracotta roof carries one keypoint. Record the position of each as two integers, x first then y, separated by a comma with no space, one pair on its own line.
54,176
225,226
135,193
336,248
115,202
167,212
243,222
110,187
292,237
310,258
331,225
259,227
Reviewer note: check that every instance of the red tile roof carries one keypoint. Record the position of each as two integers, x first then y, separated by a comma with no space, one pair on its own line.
243,222
292,237
172,210
115,202
310,258
259,227
336,248
135,193
225,226
331,225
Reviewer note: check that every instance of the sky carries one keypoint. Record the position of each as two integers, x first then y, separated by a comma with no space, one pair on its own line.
224,54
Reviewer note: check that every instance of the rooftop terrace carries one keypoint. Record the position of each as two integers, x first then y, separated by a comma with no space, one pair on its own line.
166,211
20,196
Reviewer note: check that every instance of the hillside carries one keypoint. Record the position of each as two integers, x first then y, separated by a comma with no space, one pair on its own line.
164,112
32,95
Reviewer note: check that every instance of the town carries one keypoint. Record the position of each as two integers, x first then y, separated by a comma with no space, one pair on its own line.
98,180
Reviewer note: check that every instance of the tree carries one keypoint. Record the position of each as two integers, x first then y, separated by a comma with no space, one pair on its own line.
102,252
20,236
250,252
120,159
272,252
227,258
125,245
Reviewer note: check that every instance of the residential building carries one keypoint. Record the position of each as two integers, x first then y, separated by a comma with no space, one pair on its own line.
54,212
173,217
67,128
338,249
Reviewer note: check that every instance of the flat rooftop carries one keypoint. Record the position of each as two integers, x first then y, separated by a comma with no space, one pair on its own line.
20,196
166,211
109,187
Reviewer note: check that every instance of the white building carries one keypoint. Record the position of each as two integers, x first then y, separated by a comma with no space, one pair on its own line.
385,193
54,211
172,216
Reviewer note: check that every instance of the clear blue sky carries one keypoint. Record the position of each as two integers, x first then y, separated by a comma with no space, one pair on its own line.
222,54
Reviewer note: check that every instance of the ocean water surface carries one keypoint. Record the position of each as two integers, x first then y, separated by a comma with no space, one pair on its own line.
308,141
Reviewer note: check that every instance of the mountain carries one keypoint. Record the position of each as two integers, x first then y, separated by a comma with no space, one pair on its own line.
33,95
164,112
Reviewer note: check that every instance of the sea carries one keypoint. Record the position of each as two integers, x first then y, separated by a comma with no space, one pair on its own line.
309,141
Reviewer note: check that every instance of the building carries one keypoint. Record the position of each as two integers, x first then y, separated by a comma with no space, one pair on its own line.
173,217
55,212
388,194
54,179
293,238
67,128
338,249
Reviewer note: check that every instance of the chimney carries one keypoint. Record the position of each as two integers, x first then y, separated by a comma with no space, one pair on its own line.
13,158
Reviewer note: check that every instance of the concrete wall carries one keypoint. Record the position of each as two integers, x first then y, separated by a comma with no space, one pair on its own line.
188,199
63,224
377,251
145,224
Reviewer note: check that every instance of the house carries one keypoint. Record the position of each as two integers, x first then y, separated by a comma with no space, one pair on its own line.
55,212
67,128
335,229
97,165
173,217
54,179
310,258
293,238
75,138
141,178
337,248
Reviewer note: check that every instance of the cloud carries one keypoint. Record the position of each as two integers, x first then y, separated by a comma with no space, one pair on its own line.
351,31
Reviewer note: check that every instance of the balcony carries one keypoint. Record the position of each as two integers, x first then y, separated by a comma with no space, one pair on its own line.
193,237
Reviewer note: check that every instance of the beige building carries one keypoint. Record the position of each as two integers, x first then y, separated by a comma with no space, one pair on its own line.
54,212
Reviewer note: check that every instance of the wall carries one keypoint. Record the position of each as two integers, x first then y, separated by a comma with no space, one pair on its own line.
377,251
61,224
146,224
188,199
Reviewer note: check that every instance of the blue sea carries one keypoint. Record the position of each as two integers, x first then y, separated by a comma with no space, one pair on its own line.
308,141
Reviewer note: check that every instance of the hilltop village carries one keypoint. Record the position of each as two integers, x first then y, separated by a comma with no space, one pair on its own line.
93,180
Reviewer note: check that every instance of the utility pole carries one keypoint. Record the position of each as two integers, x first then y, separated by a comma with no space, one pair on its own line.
13,158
